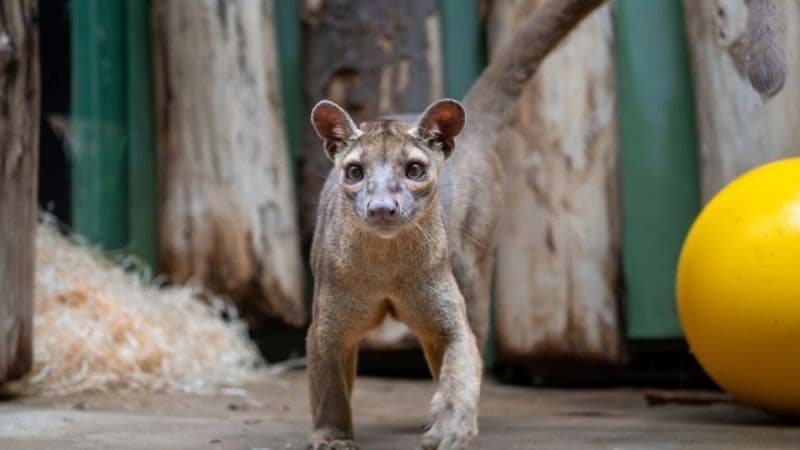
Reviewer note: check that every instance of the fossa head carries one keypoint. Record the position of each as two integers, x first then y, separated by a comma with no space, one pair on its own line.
388,170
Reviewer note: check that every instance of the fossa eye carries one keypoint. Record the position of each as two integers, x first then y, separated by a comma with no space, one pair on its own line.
354,173
415,171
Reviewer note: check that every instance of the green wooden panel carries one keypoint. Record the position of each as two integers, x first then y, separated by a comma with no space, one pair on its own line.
112,144
98,124
464,58
290,54
463,46
143,224
660,195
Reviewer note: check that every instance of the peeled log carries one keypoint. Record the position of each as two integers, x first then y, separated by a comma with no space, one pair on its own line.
738,128
558,267
19,151
227,216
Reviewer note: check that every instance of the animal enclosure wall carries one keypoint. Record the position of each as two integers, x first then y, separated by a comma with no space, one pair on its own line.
604,169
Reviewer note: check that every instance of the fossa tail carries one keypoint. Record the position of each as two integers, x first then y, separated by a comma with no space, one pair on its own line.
491,101
766,39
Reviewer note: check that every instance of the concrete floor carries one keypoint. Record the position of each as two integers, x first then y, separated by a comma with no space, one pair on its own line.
389,415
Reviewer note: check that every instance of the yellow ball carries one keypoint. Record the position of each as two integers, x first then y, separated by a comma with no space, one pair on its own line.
738,287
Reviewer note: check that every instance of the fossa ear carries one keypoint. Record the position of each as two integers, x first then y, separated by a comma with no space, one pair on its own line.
440,124
334,126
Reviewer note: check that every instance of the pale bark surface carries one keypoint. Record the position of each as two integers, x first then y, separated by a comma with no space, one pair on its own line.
227,216
738,128
19,150
558,255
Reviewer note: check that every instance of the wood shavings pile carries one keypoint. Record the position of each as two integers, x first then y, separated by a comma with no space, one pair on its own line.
100,328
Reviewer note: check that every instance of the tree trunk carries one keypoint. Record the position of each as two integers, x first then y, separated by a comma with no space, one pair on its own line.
373,57
227,215
738,128
558,254
19,150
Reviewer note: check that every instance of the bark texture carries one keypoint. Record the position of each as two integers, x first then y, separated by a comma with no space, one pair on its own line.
739,128
558,254
227,215
19,150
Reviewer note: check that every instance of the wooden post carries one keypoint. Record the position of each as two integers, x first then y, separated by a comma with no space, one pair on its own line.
227,215
738,128
558,268
19,150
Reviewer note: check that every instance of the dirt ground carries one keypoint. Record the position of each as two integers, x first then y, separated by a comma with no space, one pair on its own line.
273,414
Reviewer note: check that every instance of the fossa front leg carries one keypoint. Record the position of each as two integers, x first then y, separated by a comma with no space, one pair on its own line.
439,318
332,353
331,380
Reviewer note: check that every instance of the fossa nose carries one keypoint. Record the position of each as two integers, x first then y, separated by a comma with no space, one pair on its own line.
382,210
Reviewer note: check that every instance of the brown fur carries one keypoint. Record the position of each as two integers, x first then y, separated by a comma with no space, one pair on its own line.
362,277
434,272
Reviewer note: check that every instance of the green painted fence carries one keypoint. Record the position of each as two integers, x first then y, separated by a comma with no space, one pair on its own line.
112,149
659,161
290,55
142,207
463,45
98,128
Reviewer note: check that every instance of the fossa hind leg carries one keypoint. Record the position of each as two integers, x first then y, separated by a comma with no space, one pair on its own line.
474,280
